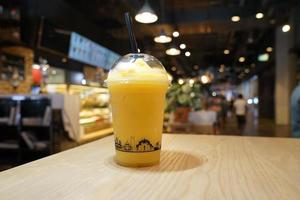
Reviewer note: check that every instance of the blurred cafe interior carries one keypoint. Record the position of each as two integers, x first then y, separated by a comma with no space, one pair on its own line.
233,67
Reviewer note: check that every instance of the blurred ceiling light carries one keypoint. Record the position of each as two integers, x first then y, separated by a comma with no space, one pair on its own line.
255,100
173,51
249,101
235,18
263,57
214,94
175,34
269,49
64,60
191,82
242,59
247,70
204,79
182,46
196,67
259,15
286,28
180,81
226,51
162,38
187,54
146,15
83,82
173,69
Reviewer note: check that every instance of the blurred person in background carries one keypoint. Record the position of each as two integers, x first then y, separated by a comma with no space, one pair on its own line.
240,108
295,111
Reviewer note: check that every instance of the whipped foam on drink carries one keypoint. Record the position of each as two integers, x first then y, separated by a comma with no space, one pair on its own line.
138,70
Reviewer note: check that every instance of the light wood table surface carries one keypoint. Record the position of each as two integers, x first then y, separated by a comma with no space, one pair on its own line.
192,167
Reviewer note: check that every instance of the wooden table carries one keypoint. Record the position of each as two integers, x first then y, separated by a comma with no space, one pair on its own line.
192,167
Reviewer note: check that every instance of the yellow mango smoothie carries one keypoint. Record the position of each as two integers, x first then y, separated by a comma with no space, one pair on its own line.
137,95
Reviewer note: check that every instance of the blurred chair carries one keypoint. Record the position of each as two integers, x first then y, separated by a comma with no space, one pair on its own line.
8,126
9,131
36,130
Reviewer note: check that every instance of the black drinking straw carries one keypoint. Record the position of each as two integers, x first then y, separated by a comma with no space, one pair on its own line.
133,44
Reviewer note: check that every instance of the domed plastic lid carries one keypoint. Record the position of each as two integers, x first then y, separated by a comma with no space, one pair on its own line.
137,67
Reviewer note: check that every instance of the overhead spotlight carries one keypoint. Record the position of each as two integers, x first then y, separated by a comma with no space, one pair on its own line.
286,28
263,57
173,69
226,51
182,46
146,15
235,18
269,49
259,15
162,38
242,59
173,51
187,54
175,34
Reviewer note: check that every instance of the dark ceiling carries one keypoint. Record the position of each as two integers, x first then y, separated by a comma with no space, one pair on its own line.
204,26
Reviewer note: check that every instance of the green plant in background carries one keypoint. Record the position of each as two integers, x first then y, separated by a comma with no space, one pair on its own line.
184,95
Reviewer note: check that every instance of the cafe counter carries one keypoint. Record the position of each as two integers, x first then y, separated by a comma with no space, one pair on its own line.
192,167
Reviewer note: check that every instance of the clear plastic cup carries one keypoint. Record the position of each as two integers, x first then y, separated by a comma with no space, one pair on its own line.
137,85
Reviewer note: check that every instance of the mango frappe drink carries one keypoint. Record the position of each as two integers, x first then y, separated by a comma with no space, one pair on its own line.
137,85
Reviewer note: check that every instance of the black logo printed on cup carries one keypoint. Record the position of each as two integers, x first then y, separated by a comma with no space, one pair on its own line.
142,146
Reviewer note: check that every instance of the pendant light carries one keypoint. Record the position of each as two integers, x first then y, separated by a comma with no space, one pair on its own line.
162,38
173,51
146,15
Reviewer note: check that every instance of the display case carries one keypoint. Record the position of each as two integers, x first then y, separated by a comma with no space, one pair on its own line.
94,111
94,108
